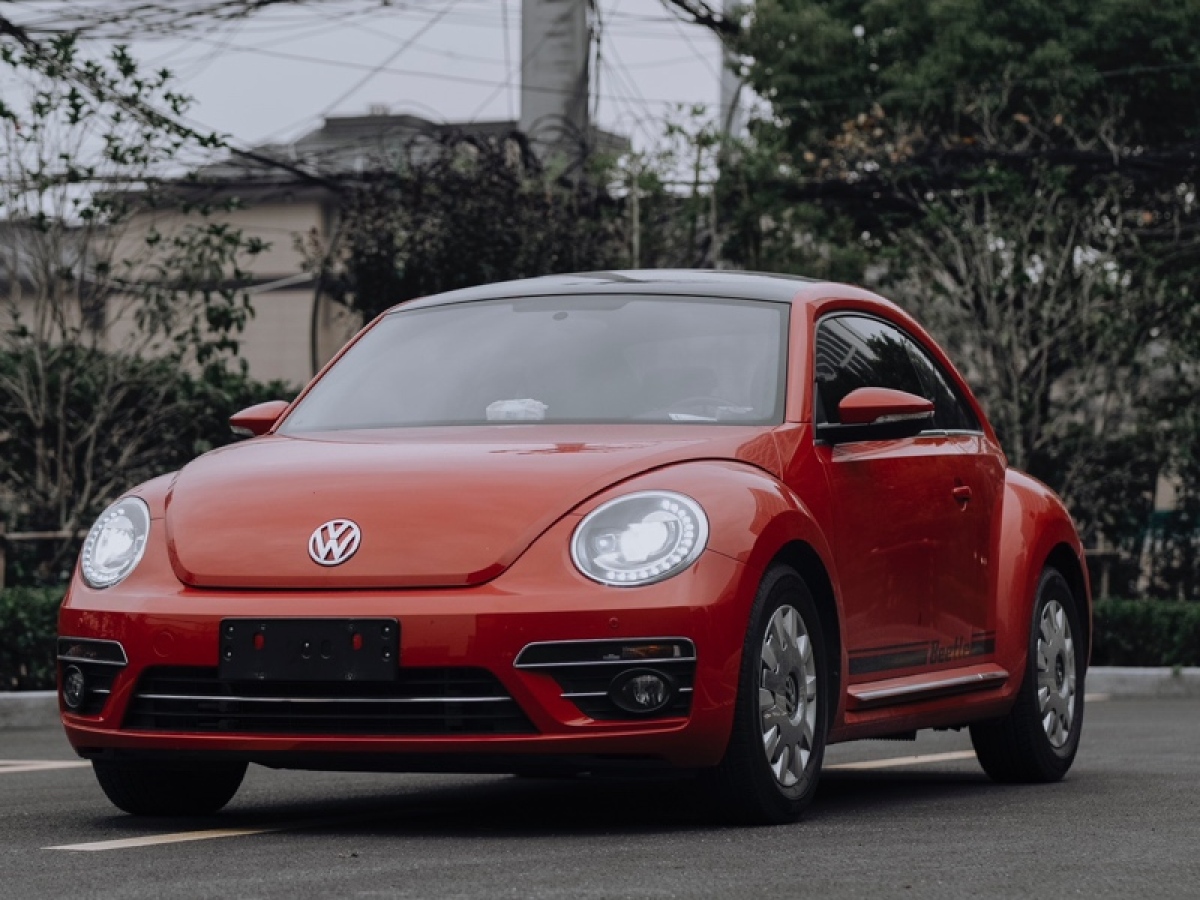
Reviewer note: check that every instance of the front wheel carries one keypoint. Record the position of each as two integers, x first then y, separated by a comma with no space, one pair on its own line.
163,789
770,770
1038,739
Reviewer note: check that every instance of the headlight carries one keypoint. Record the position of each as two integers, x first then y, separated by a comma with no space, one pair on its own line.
116,543
640,538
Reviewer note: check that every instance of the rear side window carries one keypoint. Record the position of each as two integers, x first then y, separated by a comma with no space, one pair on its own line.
859,351
950,412
855,352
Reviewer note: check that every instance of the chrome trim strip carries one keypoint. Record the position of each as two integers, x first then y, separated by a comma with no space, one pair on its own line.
517,664
589,695
85,640
208,698
92,662
979,680
608,662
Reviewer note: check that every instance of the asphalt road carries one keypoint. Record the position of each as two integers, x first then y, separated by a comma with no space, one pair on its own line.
1125,823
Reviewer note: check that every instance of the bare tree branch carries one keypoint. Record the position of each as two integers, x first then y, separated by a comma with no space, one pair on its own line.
113,19
147,114
700,12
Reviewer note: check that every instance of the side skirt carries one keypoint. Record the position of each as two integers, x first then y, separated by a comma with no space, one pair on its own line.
926,686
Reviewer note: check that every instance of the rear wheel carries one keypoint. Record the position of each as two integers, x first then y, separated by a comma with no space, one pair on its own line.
770,770
162,789
1038,739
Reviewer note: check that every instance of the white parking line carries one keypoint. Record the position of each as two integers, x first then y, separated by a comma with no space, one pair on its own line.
179,837
182,837
898,761
13,766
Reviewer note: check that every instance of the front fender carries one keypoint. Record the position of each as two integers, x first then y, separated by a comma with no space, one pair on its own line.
1035,526
753,519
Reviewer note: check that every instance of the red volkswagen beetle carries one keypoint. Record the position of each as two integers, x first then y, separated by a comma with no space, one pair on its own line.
709,521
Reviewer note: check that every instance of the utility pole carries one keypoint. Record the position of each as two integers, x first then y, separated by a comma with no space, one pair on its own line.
733,115
555,46
635,214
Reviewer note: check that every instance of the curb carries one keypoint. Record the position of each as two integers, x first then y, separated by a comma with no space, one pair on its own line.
28,709
39,709
1128,681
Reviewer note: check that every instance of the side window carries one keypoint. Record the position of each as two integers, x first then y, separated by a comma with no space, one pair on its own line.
854,352
950,413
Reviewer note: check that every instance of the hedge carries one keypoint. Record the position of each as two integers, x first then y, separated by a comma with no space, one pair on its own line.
1146,633
1128,633
28,625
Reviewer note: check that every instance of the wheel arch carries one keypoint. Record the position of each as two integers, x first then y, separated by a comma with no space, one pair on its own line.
1036,532
1064,559
802,557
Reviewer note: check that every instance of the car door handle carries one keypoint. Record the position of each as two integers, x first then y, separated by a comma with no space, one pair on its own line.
962,494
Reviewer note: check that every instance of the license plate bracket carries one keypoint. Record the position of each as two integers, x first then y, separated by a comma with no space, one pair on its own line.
346,650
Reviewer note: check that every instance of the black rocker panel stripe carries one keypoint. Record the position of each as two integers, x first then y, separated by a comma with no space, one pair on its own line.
920,653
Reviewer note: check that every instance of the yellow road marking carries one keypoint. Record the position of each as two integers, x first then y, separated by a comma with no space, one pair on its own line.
897,761
13,766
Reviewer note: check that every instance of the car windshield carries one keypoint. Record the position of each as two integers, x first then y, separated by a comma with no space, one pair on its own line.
559,359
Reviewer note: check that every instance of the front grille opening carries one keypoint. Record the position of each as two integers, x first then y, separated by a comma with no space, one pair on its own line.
420,702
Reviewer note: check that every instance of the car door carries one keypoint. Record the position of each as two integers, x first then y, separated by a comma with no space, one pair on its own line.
961,613
898,539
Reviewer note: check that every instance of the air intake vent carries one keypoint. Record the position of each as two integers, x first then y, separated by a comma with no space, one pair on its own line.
590,672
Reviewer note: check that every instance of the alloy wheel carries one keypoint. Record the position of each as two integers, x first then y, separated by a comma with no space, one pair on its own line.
1056,673
787,695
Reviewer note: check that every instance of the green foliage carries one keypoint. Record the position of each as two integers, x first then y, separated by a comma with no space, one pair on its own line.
1140,633
117,420
121,304
456,214
671,218
187,290
1045,71
28,625
1173,565
1018,174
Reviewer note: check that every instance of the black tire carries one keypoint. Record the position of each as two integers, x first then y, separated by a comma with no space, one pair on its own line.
163,789
747,786
1038,739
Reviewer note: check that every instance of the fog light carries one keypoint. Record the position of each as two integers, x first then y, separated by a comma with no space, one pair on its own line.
74,687
641,691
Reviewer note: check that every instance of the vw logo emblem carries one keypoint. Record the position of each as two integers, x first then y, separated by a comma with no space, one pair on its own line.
334,542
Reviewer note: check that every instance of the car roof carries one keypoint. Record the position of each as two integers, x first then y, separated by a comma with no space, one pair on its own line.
663,282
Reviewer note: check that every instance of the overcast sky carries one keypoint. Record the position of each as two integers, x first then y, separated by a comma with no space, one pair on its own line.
275,76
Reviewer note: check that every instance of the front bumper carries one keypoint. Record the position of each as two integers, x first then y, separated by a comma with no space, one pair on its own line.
165,627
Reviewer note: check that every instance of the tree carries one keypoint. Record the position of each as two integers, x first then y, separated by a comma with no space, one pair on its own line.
455,213
106,327
1019,174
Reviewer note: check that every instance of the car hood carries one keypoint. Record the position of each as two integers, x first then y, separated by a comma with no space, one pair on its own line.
435,507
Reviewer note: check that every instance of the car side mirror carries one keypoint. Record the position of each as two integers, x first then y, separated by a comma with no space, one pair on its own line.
258,419
877,414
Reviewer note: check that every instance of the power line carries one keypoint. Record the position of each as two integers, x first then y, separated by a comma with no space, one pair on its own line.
703,57
140,110
389,60
411,73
